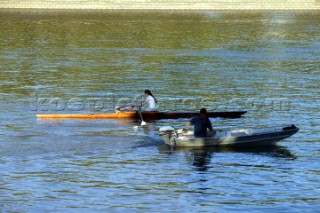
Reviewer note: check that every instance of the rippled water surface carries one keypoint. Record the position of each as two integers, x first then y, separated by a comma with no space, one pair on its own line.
87,62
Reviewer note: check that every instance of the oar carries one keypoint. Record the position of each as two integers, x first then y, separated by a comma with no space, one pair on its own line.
142,122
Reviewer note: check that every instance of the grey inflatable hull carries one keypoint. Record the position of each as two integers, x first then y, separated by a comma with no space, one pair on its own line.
237,137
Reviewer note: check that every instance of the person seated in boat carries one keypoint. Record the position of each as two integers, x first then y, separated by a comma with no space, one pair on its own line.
150,100
201,124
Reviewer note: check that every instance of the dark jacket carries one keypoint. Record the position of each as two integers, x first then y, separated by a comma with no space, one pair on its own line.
201,124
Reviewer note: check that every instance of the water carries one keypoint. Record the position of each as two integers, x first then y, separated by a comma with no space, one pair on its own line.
77,62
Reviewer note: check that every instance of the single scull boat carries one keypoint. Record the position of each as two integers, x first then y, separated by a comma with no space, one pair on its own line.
148,115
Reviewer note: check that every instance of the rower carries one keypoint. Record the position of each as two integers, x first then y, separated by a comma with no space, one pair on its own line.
150,100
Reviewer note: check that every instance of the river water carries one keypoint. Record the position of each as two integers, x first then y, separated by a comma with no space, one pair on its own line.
266,63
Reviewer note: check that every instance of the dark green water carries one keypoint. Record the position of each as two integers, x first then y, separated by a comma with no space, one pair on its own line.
76,62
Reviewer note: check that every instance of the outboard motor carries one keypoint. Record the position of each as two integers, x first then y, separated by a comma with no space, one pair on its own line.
168,134
166,130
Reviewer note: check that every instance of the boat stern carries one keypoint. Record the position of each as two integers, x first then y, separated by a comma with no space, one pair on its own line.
168,134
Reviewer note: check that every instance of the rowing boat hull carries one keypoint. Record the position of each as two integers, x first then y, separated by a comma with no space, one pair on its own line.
154,115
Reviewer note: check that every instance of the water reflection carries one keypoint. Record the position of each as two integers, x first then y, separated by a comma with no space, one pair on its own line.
200,158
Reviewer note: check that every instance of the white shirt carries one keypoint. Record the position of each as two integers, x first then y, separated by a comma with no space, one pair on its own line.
151,103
